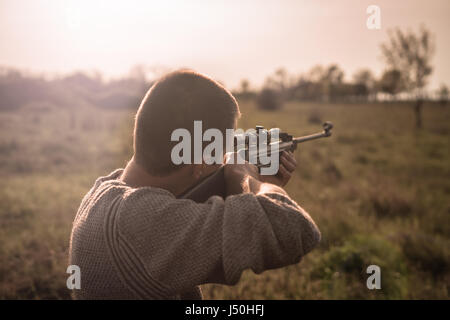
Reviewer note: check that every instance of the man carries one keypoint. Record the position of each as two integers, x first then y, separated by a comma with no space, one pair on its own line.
134,239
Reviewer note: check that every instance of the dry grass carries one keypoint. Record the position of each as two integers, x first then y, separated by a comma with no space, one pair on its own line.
378,189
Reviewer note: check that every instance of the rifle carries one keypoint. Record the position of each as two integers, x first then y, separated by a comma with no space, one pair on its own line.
214,184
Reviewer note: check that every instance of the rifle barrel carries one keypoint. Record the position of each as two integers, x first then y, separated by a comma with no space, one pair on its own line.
311,137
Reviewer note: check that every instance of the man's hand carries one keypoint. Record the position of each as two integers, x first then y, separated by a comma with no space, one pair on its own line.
242,178
287,167
237,176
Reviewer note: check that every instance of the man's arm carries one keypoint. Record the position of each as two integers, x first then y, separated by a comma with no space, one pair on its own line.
182,244
244,178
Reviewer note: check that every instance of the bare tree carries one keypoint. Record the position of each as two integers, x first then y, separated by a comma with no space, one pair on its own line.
278,81
411,54
391,82
316,74
334,74
269,99
244,88
332,82
364,81
328,79
443,94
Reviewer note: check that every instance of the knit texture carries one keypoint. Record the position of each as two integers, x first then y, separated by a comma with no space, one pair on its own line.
143,243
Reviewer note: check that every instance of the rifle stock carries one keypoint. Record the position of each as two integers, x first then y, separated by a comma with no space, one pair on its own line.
214,184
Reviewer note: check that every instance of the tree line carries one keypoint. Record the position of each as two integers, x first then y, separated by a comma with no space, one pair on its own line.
18,89
407,56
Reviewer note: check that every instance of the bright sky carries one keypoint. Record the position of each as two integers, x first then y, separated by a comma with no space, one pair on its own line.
229,40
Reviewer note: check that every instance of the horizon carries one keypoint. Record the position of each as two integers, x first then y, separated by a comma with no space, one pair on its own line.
58,37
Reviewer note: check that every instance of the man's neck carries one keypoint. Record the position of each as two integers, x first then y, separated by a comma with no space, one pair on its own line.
135,176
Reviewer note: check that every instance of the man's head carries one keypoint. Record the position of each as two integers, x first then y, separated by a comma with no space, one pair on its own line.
176,101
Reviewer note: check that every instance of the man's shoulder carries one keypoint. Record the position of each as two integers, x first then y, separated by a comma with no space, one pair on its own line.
110,196
110,185
111,177
136,203
100,188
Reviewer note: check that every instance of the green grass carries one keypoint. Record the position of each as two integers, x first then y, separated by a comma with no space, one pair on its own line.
378,189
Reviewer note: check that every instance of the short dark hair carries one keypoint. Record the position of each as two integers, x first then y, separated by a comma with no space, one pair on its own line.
176,101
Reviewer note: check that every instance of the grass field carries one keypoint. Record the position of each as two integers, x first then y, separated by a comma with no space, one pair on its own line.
378,189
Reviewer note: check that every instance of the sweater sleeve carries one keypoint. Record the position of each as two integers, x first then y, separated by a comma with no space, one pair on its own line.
182,244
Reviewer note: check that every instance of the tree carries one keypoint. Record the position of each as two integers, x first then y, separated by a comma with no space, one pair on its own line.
334,74
364,82
443,93
411,54
245,85
332,82
328,79
278,81
316,74
391,82
269,99
244,89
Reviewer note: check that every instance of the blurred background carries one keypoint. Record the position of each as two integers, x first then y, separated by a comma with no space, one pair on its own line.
72,75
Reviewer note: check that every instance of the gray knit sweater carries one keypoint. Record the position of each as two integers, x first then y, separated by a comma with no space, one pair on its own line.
143,243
